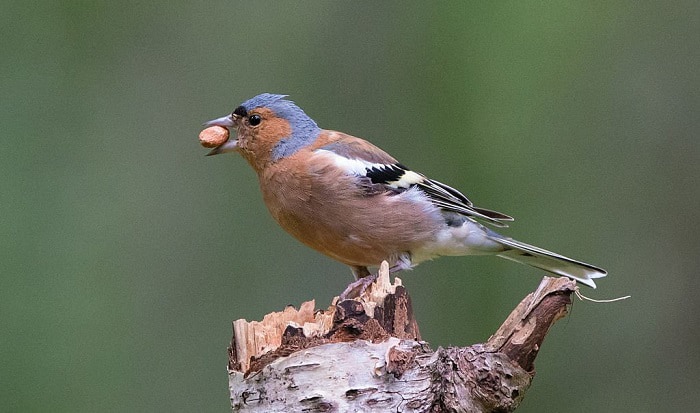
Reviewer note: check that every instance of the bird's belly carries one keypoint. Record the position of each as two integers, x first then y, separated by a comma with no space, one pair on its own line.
470,238
361,232
356,244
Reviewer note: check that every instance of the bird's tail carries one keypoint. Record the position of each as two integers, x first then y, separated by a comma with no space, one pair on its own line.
546,260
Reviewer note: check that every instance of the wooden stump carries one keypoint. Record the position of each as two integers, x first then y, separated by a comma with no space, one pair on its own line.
366,355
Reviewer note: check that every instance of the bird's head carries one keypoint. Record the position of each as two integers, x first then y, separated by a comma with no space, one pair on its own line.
268,128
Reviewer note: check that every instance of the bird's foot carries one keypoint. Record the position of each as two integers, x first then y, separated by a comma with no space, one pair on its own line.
358,287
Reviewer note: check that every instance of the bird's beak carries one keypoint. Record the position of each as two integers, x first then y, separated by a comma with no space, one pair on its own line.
225,121
231,144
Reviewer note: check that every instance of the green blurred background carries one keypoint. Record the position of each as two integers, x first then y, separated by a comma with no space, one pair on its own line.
126,252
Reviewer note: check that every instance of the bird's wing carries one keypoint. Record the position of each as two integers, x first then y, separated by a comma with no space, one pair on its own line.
361,158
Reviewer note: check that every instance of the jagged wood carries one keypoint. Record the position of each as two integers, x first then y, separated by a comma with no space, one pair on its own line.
366,355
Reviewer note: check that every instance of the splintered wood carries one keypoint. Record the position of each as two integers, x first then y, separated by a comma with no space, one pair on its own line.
365,354
255,338
383,310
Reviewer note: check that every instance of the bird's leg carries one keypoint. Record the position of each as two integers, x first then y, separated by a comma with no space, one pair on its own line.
402,262
359,272
363,279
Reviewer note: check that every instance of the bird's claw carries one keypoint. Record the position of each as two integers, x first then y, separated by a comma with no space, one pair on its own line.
356,288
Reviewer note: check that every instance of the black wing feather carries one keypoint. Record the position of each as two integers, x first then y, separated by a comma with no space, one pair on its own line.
391,176
443,196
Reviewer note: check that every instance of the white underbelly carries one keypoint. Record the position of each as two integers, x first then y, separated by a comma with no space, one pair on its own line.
468,239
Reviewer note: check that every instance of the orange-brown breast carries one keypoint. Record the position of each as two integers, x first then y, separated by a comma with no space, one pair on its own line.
327,210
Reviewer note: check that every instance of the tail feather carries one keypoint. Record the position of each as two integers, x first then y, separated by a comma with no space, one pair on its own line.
549,261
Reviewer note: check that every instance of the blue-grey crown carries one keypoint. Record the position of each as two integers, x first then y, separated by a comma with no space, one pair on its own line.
304,129
262,100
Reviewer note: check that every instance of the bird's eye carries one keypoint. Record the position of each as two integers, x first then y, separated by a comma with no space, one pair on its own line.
254,120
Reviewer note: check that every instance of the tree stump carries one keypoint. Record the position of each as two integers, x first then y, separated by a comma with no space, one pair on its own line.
366,355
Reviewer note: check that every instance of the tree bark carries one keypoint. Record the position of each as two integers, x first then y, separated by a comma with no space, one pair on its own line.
366,355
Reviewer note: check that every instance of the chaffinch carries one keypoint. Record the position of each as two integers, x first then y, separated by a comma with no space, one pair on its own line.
353,202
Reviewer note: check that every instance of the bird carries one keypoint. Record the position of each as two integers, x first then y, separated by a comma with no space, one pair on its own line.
353,202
